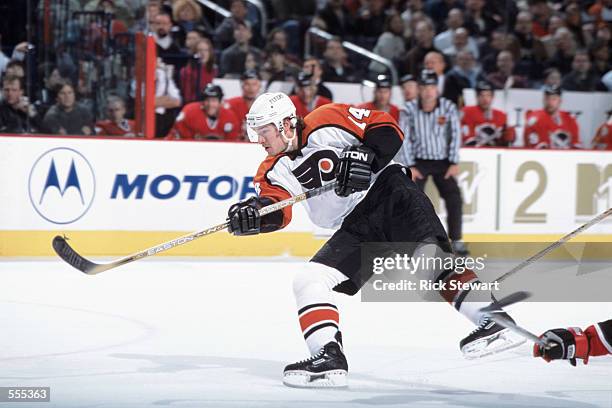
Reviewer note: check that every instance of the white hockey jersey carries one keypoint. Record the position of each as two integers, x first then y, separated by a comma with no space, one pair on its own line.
328,130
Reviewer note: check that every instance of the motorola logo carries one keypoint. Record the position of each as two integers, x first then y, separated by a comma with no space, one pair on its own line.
62,185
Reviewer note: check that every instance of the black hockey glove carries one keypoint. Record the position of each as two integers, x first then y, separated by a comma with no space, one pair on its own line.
567,344
355,170
244,218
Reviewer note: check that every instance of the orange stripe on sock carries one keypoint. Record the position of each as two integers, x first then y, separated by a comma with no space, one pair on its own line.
465,277
318,315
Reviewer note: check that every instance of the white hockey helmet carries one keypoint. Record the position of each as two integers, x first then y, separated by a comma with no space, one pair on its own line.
270,107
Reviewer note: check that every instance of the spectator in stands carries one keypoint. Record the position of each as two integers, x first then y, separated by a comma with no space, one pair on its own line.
573,22
603,136
306,99
481,124
188,17
168,48
423,39
601,10
582,78
48,93
15,68
413,8
192,39
277,36
251,61
434,61
335,18
233,58
565,49
4,59
410,89
552,77
335,65
464,74
206,120
167,99
454,21
504,77
600,56
438,10
121,16
147,22
382,97
499,41
548,40
541,12
551,128
116,124
198,72
276,67
17,115
312,66
461,42
225,32
528,51
479,22
67,117
390,44
370,22
250,82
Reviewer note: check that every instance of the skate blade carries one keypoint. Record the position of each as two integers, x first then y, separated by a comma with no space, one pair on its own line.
305,379
496,343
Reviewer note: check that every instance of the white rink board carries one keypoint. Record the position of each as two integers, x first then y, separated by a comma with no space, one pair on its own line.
134,185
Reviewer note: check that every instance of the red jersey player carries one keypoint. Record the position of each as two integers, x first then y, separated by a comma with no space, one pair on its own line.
206,120
481,125
306,99
573,343
551,128
375,200
116,124
603,137
382,98
250,82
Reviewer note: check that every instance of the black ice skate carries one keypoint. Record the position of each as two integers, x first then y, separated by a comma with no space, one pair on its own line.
489,338
326,369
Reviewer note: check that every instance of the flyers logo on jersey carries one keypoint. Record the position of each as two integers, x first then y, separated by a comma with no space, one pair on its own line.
316,169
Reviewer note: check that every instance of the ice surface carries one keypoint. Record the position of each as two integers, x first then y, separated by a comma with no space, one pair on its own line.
168,333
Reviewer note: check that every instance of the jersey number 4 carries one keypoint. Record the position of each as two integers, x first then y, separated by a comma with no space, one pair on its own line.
358,114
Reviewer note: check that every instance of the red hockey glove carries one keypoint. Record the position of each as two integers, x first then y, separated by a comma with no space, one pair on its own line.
567,344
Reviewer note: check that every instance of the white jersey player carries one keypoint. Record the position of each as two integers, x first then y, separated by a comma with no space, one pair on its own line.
375,201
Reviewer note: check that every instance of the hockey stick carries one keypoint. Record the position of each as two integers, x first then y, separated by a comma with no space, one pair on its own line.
492,312
65,251
555,245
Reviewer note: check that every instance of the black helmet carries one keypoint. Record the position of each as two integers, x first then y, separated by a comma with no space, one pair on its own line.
212,91
483,86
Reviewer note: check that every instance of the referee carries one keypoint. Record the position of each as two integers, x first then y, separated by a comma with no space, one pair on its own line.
431,148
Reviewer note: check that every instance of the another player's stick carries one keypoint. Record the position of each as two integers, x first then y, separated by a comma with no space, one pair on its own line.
492,312
555,245
65,251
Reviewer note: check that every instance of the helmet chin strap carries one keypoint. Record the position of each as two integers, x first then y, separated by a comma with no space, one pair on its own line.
289,141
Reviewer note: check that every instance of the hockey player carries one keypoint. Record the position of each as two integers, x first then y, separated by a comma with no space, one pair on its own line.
551,128
481,125
250,82
603,137
375,200
382,98
573,343
306,99
206,120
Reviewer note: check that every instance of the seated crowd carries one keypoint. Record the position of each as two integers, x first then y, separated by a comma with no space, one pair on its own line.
486,45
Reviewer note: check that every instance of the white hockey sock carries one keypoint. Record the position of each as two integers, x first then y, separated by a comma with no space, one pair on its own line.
467,302
318,315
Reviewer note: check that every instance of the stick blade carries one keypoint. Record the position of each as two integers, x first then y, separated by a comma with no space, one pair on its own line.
70,256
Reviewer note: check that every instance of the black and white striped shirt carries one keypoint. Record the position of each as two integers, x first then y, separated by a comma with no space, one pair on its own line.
434,135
